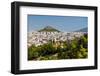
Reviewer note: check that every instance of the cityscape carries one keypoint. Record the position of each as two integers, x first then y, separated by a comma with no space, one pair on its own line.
57,37
39,38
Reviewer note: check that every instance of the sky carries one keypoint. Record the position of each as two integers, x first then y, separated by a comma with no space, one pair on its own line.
61,23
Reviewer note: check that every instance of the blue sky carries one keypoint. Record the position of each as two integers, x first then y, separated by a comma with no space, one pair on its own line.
62,23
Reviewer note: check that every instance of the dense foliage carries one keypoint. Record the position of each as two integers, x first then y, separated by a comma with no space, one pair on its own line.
71,49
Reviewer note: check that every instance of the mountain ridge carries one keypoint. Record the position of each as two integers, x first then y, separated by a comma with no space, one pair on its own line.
82,30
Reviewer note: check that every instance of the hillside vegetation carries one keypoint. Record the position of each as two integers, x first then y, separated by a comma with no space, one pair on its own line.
74,49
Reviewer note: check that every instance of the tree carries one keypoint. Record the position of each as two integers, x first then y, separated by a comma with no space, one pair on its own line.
71,49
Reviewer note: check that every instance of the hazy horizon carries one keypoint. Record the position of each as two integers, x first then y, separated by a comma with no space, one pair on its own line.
61,23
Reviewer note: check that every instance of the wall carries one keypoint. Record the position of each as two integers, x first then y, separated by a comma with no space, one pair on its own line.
5,41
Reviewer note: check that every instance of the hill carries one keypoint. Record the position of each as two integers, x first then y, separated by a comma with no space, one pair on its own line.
48,29
82,30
